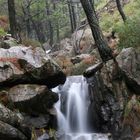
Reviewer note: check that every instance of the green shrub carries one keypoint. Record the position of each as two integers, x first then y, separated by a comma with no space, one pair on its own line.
129,33
80,68
2,32
31,42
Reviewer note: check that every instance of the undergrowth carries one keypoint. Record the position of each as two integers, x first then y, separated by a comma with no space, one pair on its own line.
129,32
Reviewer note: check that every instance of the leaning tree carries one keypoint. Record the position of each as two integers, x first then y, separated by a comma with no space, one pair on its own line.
104,50
119,6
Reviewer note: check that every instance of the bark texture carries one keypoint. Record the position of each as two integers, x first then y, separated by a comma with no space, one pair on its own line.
101,43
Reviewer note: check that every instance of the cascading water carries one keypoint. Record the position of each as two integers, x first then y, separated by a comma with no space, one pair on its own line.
73,119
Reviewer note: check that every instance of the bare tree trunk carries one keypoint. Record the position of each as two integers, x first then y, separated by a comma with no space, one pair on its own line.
26,11
101,43
74,17
57,32
49,23
57,25
77,14
12,18
92,2
28,25
39,34
119,6
71,17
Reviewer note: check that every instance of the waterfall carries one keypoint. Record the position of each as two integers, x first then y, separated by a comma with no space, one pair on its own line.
74,101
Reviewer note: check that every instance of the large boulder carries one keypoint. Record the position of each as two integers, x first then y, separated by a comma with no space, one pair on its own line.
8,132
83,41
9,117
12,126
21,65
32,99
129,62
40,121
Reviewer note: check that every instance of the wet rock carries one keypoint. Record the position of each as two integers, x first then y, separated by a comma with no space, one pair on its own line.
15,120
8,132
82,136
21,65
129,62
111,91
9,117
32,99
109,94
39,121
127,133
44,136
131,122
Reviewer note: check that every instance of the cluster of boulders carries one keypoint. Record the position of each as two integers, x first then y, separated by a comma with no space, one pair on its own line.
26,76
77,53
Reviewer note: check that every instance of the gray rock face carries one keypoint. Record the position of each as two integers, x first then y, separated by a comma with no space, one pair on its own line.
32,99
21,65
111,91
40,121
8,116
11,125
26,74
129,62
21,93
8,132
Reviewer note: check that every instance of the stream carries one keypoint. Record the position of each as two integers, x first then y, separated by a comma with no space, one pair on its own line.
72,110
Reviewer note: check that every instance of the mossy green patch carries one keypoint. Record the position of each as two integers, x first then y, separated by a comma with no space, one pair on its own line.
2,32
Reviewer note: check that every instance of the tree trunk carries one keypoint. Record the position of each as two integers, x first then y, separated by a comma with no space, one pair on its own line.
28,23
71,17
101,43
39,34
56,24
12,18
77,13
92,2
28,27
121,10
26,12
49,23
74,17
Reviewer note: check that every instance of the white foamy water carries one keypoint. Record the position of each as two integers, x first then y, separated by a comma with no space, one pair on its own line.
74,121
